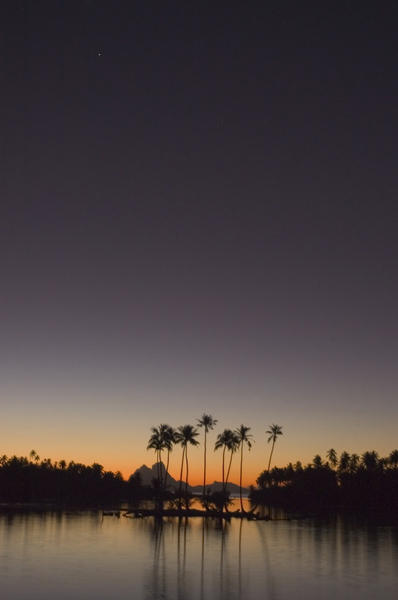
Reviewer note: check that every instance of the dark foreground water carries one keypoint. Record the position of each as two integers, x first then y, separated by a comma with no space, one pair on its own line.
81,556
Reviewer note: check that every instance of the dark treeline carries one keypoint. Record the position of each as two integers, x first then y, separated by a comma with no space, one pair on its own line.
33,480
349,482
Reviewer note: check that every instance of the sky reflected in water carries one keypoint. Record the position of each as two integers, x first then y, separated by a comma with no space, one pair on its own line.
84,556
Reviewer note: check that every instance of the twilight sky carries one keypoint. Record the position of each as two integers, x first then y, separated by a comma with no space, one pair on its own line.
198,213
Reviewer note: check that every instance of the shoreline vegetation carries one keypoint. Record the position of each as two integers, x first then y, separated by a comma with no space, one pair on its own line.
345,483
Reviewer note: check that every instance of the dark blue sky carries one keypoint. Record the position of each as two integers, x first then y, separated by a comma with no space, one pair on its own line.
198,211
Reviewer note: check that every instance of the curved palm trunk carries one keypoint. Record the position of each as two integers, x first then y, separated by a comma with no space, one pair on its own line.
167,469
204,469
157,464
180,483
229,468
186,477
226,481
223,469
240,477
270,456
160,469
159,503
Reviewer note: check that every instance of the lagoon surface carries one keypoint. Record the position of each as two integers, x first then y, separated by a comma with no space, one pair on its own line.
82,555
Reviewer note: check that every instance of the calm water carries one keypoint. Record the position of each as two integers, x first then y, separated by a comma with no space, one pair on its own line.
84,556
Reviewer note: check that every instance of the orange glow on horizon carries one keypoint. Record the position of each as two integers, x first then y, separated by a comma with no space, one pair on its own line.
214,473
126,454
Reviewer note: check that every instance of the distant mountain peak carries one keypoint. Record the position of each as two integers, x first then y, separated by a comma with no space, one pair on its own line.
148,474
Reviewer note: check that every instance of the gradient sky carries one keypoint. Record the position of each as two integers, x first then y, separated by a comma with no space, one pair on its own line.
198,213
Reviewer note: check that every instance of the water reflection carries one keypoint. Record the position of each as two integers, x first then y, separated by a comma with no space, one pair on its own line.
82,555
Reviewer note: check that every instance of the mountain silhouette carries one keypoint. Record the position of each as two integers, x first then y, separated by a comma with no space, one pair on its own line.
148,474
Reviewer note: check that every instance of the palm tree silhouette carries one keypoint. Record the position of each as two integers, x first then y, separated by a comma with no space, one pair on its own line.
156,443
222,441
317,461
273,432
227,440
34,456
232,446
370,460
168,436
208,423
353,463
244,437
162,438
393,459
185,435
332,456
344,461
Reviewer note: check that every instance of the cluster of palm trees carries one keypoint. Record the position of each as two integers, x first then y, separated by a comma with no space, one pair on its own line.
351,463
164,437
344,481
32,479
343,467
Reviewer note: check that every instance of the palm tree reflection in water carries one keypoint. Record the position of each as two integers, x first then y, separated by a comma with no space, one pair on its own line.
261,530
202,562
182,562
222,527
183,578
159,581
240,560
205,558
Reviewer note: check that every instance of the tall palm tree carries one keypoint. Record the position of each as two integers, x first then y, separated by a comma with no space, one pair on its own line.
168,436
274,431
156,443
162,438
332,456
208,423
232,447
185,435
222,441
244,437
227,440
